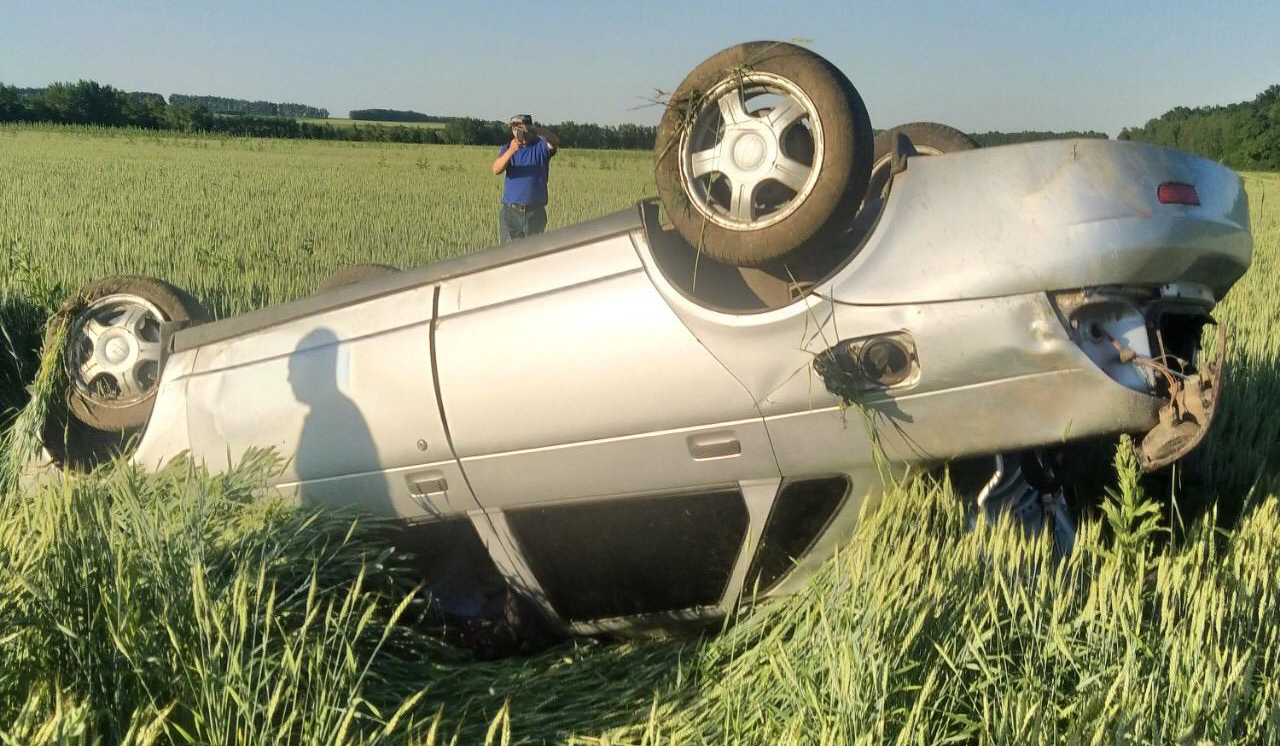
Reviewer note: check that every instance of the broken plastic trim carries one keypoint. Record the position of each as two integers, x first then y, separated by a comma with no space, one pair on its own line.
1138,336
1111,326
1129,331
1185,419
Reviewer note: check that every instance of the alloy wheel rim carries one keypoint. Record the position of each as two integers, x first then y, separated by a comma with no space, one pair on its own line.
113,350
745,167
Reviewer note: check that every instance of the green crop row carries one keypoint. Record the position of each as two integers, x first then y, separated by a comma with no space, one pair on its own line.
244,223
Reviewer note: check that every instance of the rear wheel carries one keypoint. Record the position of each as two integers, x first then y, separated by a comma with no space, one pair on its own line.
927,138
356,273
765,149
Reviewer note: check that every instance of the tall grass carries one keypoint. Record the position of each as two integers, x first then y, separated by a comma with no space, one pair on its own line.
183,607
180,608
924,632
1244,446
178,604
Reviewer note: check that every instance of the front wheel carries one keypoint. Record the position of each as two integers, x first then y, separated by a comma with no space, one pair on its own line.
112,350
765,148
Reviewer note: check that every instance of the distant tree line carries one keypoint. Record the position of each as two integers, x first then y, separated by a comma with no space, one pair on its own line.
1244,136
395,115
215,104
471,131
144,97
991,139
220,105
87,102
613,136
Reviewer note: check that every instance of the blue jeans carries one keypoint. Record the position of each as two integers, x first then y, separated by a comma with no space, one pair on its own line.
518,221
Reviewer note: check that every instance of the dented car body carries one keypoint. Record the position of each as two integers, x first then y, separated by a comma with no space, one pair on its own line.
628,434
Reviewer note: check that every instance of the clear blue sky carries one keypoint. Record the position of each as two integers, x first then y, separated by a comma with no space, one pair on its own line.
1079,64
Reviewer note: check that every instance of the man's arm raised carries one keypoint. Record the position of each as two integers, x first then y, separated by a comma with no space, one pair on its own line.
500,163
552,138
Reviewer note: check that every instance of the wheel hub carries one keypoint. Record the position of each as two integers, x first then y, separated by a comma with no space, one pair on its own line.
117,348
750,152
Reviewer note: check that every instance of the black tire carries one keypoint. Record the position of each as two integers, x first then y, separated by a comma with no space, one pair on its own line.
356,273
928,138
88,401
832,183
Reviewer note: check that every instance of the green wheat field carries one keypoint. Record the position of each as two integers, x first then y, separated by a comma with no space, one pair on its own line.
178,608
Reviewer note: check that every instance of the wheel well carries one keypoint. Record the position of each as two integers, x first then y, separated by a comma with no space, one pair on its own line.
723,287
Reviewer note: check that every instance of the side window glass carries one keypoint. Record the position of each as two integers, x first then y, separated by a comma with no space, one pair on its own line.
803,509
455,567
638,555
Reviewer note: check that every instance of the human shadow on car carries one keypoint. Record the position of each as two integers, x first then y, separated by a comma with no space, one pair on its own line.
337,460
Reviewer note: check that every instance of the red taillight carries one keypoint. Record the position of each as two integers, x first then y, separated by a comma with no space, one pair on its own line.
1176,193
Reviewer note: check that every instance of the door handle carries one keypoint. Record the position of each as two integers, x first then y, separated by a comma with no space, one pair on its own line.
714,445
427,483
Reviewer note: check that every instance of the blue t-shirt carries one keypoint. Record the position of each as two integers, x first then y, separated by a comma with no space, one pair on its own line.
527,172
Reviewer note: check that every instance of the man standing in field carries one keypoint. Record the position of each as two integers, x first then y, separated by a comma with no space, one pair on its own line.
526,160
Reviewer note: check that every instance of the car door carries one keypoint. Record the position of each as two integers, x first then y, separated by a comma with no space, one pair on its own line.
577,401
345,394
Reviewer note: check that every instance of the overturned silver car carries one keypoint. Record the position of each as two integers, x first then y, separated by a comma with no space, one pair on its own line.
655,415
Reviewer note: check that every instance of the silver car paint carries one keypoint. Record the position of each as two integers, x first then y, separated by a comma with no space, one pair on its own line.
325,404
585,374
591,380
1051,215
